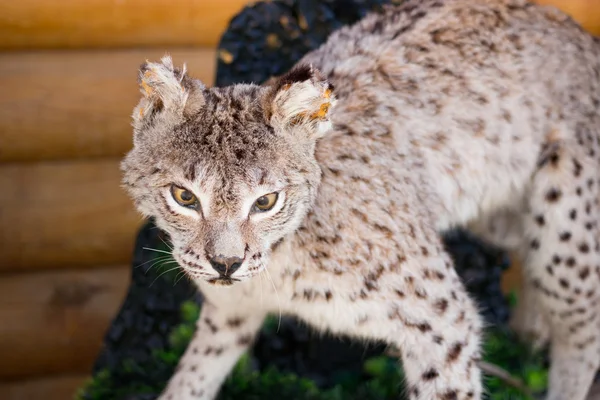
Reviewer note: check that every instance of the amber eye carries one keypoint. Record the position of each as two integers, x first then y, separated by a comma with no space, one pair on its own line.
266,202
184,197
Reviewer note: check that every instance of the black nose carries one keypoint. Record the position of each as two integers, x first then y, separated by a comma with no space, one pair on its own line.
226,265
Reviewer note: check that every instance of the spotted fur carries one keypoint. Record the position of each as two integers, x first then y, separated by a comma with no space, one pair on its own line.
444,113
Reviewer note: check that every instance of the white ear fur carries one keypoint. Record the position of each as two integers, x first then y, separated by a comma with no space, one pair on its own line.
162,86
162,81
303,99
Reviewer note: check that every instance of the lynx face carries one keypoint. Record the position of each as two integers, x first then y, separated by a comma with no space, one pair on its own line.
227,172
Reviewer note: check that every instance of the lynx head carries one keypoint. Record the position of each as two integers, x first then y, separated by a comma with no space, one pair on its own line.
227,172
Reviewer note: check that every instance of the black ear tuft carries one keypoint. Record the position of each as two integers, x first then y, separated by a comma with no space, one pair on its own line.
299,73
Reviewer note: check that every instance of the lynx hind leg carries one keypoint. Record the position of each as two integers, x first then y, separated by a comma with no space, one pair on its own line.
562,267
504,228
527,320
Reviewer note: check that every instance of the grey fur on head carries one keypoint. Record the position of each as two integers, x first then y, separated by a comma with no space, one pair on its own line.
228,146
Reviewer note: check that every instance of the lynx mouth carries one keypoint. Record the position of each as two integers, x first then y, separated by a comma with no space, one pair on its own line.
223,281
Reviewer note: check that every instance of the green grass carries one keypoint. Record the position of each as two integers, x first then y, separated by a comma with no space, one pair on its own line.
385,375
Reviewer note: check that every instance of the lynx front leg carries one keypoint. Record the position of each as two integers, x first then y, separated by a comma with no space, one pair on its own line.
439,342
424,311
222,335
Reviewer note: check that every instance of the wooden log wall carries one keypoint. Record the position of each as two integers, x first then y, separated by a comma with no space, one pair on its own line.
76,104
67,229
68,79
37,24
55,320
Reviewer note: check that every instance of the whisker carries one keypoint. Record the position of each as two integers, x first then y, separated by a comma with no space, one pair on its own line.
260,279
183,274
278,300
164,272
166,244
157,250
156,262
176,277
164,261
161,258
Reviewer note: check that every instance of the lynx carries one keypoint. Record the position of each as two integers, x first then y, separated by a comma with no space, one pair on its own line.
323,192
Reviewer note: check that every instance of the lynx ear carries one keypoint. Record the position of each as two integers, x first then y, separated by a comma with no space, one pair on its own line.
165,87
300,98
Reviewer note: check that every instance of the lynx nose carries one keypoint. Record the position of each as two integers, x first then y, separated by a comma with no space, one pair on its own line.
226,265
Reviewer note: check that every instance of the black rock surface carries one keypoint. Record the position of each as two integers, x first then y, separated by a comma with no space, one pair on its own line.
150,310
267,38
480,267
263,40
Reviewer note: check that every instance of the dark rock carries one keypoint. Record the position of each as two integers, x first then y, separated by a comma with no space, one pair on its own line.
267,38
133,333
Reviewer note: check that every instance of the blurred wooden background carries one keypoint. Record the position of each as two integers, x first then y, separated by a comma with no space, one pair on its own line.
67,87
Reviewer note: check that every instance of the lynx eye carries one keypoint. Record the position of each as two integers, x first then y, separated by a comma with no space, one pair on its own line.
266,202
184,197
